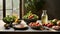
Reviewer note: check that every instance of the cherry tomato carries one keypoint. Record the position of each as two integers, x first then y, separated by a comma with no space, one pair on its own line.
30,17
30,24
45,24
37,23
49,25
34,24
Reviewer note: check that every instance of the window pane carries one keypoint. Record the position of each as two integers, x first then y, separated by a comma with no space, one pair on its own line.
1,4
1,14
16,12
16,7
16,4
8,12
1,9
8,4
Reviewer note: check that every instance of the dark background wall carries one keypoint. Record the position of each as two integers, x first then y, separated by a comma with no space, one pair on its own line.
53,8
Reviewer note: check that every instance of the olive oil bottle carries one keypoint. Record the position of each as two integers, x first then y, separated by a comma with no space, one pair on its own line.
44,17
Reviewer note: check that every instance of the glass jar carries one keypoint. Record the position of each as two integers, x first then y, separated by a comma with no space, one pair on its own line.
44,17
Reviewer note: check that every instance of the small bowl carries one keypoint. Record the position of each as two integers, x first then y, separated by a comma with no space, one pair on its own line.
29,20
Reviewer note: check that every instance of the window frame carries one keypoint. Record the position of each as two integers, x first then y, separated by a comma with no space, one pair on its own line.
4,11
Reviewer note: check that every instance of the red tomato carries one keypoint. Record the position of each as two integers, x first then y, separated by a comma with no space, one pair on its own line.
30,17
49,25
34,24
45,24
37,23
30,24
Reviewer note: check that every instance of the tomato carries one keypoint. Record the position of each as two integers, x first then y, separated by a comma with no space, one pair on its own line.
34,24
45,24
30,24
49,25
37,23
31,16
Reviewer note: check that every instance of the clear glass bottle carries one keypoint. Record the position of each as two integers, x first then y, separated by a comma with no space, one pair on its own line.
44,17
